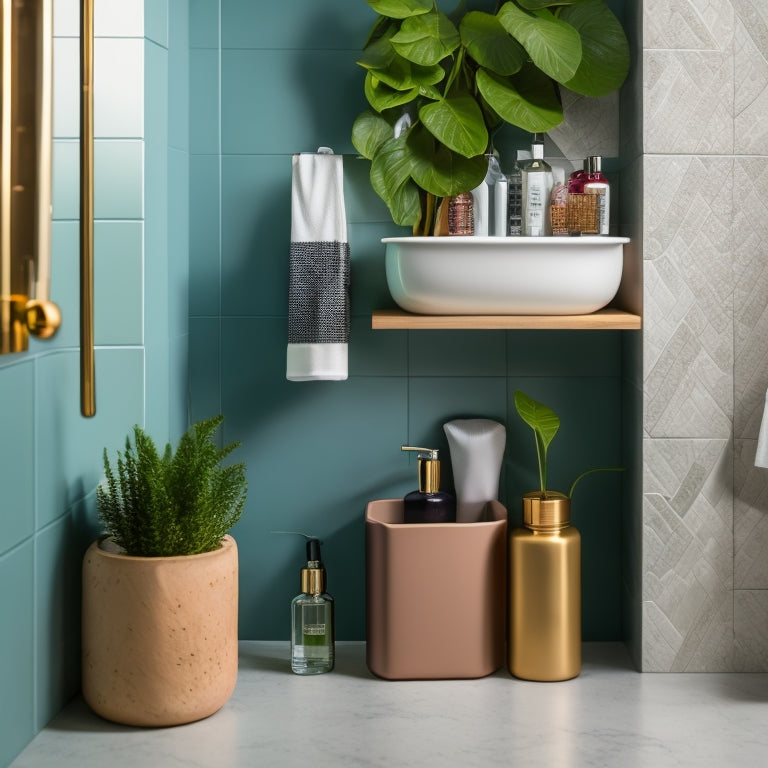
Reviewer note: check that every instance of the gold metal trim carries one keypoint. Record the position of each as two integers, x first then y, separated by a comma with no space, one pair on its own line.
26,148
313,581
6,132
87,356
546,511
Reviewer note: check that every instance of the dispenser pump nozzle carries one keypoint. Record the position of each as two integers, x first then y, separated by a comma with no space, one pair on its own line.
313,575
424,453
429,468
313,551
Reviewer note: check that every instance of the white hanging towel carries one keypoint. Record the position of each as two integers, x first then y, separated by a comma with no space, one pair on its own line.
318,290
761,457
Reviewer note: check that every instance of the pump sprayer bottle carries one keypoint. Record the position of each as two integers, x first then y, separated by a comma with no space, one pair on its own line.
312,626
429,504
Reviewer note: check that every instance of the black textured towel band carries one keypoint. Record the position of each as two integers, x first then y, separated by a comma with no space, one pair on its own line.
318,293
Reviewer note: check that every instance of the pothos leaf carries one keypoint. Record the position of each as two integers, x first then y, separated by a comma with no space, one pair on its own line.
553,45
426,39
458,123
400,9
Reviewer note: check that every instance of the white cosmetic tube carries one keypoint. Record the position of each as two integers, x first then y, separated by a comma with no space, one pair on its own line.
477,451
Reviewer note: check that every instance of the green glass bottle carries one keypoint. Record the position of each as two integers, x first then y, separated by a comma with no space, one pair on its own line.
312,627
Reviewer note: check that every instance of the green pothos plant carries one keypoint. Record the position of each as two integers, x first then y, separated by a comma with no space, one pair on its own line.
449,81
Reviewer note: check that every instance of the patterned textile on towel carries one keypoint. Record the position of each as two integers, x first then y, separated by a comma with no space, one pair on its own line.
318,290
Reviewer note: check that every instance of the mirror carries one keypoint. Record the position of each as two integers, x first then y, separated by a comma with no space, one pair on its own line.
26,143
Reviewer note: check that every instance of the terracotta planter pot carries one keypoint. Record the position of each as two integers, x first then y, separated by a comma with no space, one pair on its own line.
159,635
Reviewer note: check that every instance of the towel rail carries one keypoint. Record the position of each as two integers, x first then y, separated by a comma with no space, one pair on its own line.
87,356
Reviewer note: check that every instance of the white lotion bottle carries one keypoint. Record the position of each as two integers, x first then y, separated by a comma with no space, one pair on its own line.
537,188
477,451
482,197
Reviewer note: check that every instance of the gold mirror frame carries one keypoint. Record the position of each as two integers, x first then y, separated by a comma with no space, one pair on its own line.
26,149
26,145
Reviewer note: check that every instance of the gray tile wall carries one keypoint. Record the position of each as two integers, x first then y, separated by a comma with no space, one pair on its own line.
705,356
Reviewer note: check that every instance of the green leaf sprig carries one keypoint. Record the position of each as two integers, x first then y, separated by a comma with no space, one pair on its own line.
545,423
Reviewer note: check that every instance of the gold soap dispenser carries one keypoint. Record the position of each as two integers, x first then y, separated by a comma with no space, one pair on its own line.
545,591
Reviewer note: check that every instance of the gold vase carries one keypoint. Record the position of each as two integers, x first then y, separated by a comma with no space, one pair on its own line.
545,591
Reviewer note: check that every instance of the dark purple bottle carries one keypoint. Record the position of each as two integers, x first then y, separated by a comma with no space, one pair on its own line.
429,504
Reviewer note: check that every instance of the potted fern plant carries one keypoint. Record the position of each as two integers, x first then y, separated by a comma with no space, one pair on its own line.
160,588
440,84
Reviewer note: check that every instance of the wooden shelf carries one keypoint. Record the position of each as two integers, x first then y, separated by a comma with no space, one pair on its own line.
609,318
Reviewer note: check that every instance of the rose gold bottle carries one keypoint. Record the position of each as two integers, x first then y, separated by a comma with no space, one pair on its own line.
461,220
545,591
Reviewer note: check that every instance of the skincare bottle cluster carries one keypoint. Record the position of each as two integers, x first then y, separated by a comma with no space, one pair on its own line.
534,200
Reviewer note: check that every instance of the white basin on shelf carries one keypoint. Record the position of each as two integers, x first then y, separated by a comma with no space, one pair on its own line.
503,275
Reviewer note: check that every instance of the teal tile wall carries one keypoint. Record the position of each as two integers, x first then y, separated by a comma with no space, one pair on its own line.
50,457
269,83
17,645
17,453
204,235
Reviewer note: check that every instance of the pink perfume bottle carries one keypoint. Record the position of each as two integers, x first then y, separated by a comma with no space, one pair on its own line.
576,180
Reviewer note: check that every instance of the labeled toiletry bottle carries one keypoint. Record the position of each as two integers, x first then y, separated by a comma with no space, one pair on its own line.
597,184
537,187
545,591
312,627
461,219
558,202
429,504
515,194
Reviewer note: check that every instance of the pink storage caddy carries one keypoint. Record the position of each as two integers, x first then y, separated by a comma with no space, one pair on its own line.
436,594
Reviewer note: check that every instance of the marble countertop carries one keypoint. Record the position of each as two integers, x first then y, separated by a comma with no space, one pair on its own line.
610,716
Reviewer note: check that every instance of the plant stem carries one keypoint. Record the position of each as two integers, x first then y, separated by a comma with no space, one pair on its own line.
429,215
589,472
455,69
541,452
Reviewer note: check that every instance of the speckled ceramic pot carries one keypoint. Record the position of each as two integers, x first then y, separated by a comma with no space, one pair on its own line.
159,635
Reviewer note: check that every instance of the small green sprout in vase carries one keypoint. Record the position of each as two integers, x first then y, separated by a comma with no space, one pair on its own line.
545,423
